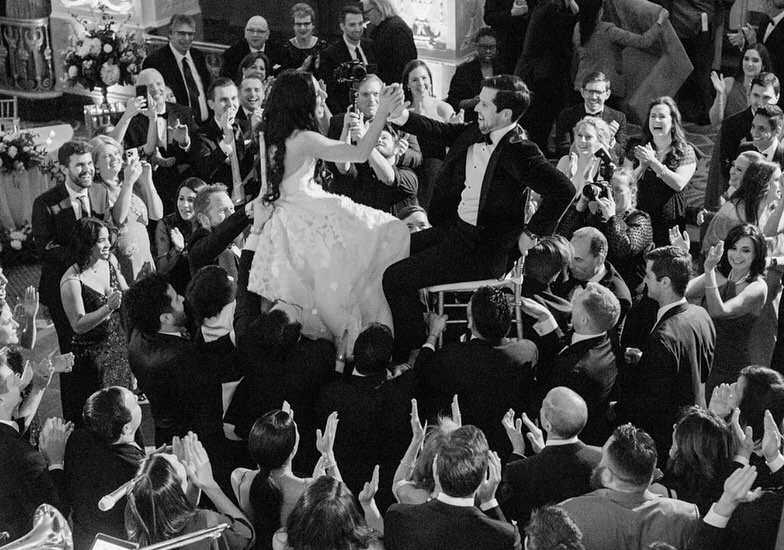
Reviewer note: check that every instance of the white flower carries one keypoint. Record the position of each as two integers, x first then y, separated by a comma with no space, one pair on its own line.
84,49
95,46
132,69
16,245
19,166
107,48
73,71
16,235
110,74
12,151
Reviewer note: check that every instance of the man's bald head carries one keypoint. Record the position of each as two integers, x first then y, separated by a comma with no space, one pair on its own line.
256,32
156,87
565,411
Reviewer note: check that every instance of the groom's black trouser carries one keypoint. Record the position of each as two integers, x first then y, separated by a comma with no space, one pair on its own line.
439,255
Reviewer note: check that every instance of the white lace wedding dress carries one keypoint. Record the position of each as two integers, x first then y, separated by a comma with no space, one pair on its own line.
327,254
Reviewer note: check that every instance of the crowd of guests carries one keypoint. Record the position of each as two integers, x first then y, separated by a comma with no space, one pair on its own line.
642,409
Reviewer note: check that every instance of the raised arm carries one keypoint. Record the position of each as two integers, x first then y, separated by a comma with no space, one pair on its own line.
750,300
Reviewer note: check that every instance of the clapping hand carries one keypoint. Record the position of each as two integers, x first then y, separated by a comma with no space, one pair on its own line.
724,400
744,437
535,435
457,418
114,300
326,441
417,430
391,104
514,431
197,462
54,362
714,256
614,126
719,83
681,240
286,408
53,438
489,486
177,239
30,303
771,441
179,133
737,489
645,154
370,489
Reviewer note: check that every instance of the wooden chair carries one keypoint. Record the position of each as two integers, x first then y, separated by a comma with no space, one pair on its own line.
9,117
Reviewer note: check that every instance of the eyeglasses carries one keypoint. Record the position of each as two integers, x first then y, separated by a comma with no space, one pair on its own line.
257,31
308,24
588,91
184,33
486,47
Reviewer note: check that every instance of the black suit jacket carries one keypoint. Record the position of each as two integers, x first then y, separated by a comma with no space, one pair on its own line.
396,40
554,475
778,154
233,56
212,247
677,354
775,45
587,367
488,381
332,56
94,469
438,525
466,83
733,130
25,483
164,62
515,165
211,164
564,128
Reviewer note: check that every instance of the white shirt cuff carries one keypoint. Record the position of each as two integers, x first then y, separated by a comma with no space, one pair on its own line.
776,464
741,460
714,519
489,505
56,466
227,149
546,326
429,346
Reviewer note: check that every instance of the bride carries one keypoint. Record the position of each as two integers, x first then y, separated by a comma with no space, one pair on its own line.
319,251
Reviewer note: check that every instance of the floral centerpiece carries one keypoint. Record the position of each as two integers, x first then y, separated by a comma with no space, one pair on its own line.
18,152
103,55
16,246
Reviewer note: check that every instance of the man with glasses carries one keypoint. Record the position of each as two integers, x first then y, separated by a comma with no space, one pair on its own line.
183,68
467,82
257,39
595,91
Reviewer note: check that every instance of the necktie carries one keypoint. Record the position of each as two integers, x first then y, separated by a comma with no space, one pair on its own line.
237,193
85,207
193,89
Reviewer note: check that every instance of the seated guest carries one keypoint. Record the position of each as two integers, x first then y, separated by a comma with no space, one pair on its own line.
221,152
166,143
700,459
219,227
580,164
256,40
765,130
627,230
251,90
452,519
415,217
466,83
173,235
731,91
99,458
585,361
326,516
551,527
671,353
302,50
352,47
255,63
624,513
373,410
561,467
159,496
28,477
595,89
505,369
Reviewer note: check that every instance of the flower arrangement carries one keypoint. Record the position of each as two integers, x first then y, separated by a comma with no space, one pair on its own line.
18,152
103,55
16,246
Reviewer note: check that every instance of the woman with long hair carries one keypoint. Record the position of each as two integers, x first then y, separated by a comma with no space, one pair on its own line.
160,505
733,291
732,92
581,164
91,291
173,234
318,250
663,165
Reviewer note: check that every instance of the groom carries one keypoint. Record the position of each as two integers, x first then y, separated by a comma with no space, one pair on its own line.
478,210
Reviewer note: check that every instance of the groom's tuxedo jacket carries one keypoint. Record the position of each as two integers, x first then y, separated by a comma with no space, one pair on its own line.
515,165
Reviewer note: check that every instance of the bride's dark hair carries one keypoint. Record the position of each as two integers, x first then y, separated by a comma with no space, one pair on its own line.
291,106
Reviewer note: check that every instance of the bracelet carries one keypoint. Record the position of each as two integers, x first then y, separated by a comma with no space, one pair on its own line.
707,287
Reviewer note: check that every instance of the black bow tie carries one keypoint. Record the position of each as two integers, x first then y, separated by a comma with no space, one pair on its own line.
484,138
162,115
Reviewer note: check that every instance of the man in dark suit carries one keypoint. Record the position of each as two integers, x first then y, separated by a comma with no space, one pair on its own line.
733,130
350,47
584,361
224,149
509,20
452,520
488,374
183,68
28,478
168,143
561,467
257,39
466,83
765,130
100,458
667,362
374,411
478,210
55,213
595,91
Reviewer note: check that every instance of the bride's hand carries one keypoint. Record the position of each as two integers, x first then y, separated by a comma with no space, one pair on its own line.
391,100
260,212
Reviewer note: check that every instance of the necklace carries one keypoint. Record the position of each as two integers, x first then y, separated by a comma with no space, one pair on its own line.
736,279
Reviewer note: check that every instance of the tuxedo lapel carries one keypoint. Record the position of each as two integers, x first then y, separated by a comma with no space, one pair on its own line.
669,313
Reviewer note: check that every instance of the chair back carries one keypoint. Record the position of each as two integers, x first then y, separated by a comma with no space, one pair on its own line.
96,116
9,118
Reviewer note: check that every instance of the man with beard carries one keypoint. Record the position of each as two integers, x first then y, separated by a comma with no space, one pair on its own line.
55,213
622,512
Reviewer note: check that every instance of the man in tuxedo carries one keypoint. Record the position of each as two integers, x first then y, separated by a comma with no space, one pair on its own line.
561,467
183,68
765,130
224,149
595,91
55,213
478,210
733,130
351,47
167,142
623,513
488,374
452,519
257,39
28,478
667,361
584,360
99,458
251,94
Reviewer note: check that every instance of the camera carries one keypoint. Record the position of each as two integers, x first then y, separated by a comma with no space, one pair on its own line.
351,71
596,190
606,166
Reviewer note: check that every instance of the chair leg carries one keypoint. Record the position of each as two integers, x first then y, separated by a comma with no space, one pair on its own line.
441,312
518,311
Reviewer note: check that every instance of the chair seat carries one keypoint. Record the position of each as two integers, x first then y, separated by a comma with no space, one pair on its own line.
467,286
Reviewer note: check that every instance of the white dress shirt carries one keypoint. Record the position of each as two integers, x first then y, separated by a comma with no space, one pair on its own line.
770,151
773,22
665,309
196,76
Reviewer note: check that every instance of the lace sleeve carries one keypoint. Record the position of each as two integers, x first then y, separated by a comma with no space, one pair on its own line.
630,235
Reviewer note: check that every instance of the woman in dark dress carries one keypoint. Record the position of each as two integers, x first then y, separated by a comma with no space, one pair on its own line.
302,50
663,165
173,235
91,291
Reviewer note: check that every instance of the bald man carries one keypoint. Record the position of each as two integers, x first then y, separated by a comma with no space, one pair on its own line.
257,39
563,464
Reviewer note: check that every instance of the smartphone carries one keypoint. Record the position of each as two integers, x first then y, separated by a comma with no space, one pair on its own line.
105,542
141,90
131,155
